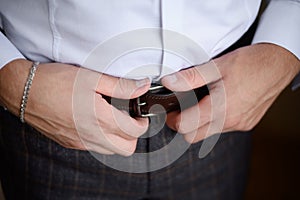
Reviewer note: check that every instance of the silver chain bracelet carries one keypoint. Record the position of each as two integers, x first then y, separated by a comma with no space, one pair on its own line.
27,89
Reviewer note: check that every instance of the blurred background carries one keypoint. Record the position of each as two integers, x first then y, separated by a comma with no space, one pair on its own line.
275,165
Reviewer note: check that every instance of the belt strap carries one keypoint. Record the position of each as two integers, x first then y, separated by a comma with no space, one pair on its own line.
158,100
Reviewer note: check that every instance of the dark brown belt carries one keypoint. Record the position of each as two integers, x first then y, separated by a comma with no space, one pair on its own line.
158,100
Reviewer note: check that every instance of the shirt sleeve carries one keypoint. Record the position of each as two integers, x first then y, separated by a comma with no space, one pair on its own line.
8,52
280,25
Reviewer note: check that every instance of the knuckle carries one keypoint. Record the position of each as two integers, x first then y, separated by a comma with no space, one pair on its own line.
191,76
233,123
128,153
190,138
247,126
138,128
178,123
141,132
187,126
130,148
240,123
124,87
178,127
182,130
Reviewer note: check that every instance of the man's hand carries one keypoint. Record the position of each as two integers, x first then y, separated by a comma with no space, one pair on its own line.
252,77
50,107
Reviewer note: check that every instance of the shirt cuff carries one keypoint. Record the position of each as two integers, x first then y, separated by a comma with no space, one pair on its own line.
296,82
280,25
8,52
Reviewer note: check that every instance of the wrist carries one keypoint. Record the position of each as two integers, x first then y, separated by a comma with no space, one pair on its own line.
285,65
13,77
282,56
292,64
27,90
280,66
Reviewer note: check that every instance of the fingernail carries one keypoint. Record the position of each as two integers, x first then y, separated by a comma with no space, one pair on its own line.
142,83
171,78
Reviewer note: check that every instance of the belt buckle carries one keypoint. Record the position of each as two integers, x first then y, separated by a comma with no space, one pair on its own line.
152,88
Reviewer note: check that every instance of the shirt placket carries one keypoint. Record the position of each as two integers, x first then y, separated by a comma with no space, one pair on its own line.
171,20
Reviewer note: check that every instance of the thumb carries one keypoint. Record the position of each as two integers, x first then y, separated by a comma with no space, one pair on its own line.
192,78
122,88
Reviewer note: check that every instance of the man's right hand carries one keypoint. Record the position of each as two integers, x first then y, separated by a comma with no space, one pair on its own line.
50,107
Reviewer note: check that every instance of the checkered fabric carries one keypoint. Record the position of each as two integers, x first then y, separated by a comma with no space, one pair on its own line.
35,167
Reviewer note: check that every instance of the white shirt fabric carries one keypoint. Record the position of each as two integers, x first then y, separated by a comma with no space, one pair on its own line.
70,31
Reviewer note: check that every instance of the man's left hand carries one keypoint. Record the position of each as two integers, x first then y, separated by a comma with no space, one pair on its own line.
246,82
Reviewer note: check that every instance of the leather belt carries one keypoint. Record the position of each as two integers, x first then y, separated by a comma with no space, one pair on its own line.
158,100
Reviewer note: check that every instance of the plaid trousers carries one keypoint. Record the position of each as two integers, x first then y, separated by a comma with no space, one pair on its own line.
35,167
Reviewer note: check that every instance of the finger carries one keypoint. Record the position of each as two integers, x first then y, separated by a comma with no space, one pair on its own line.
192,118
112,120
116,146
122,88
197,135
133,127
192,78
111,144
120,145
108,143
172,120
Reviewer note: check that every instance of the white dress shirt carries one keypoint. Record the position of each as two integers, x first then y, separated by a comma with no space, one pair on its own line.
70,31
